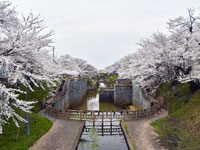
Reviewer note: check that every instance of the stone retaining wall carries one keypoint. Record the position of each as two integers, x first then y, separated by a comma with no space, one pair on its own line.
106,95
74,93
123,95
139,97
77,90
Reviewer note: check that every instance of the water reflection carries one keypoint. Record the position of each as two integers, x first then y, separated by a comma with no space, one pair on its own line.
102,85
91,102
101,136
111,139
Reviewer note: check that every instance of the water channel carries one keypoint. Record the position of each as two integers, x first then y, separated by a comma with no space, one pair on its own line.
101,136
91,102
91,139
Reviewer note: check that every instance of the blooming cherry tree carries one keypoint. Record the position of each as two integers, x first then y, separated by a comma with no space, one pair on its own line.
164,57
22,42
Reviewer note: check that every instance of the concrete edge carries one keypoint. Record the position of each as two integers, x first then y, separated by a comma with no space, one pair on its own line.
75,145
127,137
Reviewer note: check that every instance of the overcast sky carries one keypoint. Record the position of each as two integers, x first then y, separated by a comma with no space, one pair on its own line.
103,31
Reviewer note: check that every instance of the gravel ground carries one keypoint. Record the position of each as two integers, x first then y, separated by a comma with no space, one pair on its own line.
143,133
62,135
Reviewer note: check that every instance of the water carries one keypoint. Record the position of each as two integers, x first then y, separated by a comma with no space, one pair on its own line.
102,85
106,136
95,139
91,102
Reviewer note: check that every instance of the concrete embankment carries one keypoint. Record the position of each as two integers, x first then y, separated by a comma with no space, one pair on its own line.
106,95
139,97
123,95
128,138
73,93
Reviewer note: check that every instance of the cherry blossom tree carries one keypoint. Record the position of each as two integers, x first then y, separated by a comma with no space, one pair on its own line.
25,58
164,57
75,66
22,42
9,100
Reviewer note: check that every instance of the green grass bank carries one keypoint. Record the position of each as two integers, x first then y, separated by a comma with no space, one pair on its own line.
181,130
14,138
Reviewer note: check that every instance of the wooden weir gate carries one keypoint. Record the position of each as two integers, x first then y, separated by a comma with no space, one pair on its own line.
104,129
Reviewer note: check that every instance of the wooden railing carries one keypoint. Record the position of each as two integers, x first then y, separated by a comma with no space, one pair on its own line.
102,116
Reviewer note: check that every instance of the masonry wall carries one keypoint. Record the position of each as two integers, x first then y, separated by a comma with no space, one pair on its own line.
77,90
74,93
139,97
106,95
123,95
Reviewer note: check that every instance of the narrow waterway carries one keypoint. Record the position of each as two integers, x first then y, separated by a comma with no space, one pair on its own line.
91,102
109,138
101,136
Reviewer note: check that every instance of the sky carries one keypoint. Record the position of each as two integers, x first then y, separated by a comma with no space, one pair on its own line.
103,31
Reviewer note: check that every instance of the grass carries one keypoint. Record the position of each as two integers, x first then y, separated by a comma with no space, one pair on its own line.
39,94
14,138
181,131
129,138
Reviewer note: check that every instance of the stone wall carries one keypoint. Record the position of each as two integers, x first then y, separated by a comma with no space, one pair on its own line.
74,93
139,97
106,95
123,95
77,90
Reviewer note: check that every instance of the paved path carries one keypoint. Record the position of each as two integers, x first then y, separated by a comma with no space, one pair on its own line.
143,133
62,135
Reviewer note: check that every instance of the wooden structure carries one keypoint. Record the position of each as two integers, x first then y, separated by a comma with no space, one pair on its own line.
101,116
104,130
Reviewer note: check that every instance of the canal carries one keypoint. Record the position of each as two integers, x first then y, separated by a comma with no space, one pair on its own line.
91,102
101,136
112,137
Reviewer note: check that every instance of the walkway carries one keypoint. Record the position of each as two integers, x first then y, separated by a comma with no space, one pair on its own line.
143,133
62,136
